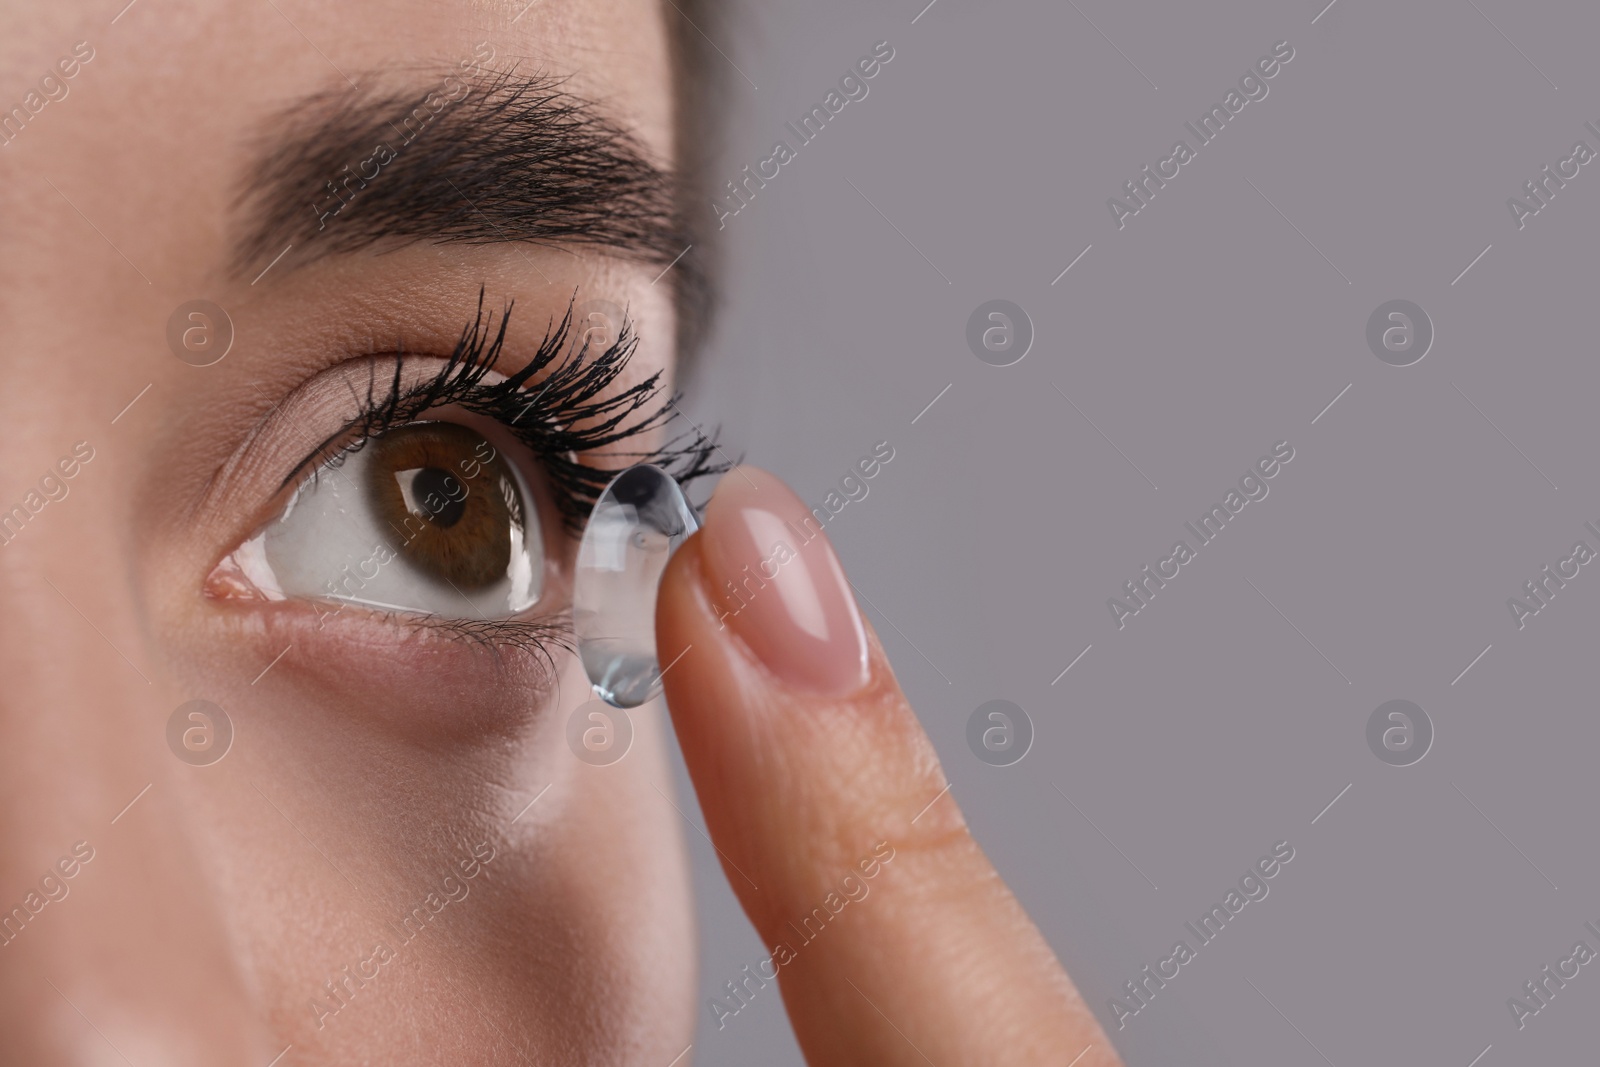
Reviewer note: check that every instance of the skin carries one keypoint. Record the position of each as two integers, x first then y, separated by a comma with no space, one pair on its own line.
371,757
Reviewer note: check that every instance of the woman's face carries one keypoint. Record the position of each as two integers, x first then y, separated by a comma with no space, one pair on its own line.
400,858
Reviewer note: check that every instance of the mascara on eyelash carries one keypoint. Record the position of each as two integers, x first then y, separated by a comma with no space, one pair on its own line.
571,411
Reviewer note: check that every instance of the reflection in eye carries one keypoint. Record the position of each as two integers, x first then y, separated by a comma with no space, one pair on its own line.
426,517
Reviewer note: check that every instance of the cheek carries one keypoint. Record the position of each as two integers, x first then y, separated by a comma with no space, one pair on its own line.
614,823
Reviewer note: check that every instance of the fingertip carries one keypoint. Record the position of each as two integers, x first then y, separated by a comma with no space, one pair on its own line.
775,581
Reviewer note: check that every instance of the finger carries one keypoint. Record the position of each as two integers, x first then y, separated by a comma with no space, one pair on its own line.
893,939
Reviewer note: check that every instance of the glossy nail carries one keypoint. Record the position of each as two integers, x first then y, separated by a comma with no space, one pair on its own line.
777,584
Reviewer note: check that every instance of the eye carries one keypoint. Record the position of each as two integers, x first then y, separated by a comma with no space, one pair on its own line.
426,517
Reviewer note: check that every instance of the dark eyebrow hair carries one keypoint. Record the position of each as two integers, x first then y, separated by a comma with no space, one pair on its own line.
484,159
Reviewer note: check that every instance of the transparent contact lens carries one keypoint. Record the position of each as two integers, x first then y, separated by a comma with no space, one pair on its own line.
638,522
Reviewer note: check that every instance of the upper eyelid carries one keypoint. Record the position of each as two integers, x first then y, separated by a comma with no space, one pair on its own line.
466,379
470,366
285,438
351,436
473,348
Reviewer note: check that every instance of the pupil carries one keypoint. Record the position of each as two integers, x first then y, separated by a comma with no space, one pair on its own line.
441,495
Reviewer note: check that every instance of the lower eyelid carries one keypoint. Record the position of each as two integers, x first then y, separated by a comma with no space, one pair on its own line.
429,681
544,635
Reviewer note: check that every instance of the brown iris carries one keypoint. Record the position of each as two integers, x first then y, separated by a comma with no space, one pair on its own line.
450,499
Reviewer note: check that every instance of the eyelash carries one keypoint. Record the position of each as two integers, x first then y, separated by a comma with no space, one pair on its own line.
567,415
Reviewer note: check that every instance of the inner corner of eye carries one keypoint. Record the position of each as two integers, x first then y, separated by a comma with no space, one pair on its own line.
425,518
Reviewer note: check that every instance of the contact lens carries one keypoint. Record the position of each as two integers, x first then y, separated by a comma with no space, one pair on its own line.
638,522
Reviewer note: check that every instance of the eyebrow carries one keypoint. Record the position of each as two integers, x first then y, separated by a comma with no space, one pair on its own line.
488,159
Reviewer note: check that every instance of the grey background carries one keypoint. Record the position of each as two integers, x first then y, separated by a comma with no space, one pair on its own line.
1194,339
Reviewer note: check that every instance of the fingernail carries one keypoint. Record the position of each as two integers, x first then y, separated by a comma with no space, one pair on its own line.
777,584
